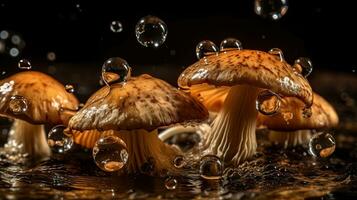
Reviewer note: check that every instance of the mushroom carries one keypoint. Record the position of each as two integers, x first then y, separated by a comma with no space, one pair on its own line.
290,128
134,110
32,99
246,72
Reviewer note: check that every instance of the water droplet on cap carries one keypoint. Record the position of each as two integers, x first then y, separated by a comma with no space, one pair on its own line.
69,88
18,104
278,52
206,48
115,70
304,66
230,44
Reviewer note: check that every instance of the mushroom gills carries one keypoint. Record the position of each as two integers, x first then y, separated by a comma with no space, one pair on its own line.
291,138
31,139
233,131
146,149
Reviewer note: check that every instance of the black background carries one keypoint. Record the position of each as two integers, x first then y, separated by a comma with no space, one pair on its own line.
79,31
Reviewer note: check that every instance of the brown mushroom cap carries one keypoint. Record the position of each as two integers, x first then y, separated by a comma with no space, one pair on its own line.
290,118
142,102
45,97
250,67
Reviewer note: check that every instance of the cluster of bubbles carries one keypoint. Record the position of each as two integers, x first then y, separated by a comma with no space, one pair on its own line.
110,153
207,48
59,140
322,145
272,9
11,43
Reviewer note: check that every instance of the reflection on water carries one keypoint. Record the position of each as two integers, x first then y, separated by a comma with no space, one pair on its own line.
273,174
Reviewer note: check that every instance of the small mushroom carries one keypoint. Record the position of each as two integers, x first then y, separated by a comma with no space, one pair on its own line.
290,128
134,110
246,72
32,99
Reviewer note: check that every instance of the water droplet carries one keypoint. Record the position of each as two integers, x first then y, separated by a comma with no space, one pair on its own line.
51,56
14,52
18,104
229,44
15,39
322,145
151,31
307,112
206,48
278,52
110,153
170,183
211,167
116,27
115,70
4,34
179,161
304,66
58,140
268,103
24,64
272,9
69,88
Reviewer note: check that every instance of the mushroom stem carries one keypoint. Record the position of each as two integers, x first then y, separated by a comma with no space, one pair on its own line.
233,131
291,138
31,137
145,147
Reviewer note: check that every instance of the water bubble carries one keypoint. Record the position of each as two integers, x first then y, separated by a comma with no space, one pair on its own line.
116,27
170,183
58,140
18,104
304,66
229,44
15,39
267,103
4,34
307,112
24,64
205,48
51,56
14,52
69,88
322,145
2,74
273,9
211,167
115,70
179,161
151,31
278,52
110,153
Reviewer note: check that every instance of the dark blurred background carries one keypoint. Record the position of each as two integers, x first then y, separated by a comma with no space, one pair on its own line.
79,35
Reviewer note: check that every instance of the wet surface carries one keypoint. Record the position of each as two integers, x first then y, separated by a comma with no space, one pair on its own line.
273,174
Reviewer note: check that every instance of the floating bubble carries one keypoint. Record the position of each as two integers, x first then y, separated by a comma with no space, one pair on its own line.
304,66
58,140
110,153
18,104
4,34
115,70
2,74
14,52
11,43
229,44
15,39
170,183
267,103
69,88
51,56
151,31
278,52
272,9
116,27
206,48
322,145
24,64
211,167
179,161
